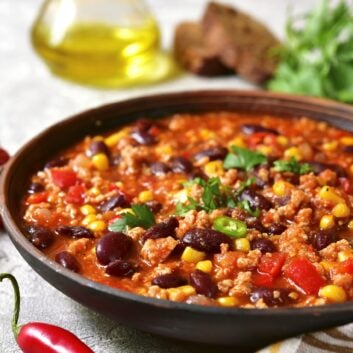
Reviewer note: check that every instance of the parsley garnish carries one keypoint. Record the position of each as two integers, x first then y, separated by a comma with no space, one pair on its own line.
317,57
245,205
142,217
292,166
243,159
214,196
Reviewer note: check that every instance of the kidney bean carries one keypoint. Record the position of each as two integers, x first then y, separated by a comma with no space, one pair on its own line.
263,244
67,260
143,138
276,228
203,283
212,153
75,232
250,129
170,280
255,199
113,246
120,268
253,222
159,168
154,206
319,167
180,165
207,240
162,230
348,149
198,173
40,237
322,238
96,147
57,162
142,125
270,296
118,200
35,187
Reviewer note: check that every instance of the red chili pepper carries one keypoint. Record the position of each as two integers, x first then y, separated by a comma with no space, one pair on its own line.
305,275
63,178
38,337
271,265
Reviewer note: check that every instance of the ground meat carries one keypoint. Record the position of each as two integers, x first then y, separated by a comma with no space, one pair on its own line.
156,251
249,260
79,246
242,285
297,199
330,253
344,280
230,177
157,292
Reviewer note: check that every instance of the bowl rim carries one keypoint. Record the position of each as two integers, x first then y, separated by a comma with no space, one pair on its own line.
19,239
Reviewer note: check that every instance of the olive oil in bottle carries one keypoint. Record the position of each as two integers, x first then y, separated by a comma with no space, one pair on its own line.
98,53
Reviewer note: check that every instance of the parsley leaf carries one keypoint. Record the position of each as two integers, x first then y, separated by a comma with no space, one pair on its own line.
292,166
317,57
245,205
142,217
244,185
243,159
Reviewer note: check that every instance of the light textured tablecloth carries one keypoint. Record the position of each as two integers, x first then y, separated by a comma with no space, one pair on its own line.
32,99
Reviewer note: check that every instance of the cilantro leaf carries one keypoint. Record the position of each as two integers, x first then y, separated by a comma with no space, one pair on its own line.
317,58
292,166
182,209
142,217
245,205
243,159
245,184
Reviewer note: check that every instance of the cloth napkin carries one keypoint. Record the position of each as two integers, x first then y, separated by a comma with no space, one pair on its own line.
337,340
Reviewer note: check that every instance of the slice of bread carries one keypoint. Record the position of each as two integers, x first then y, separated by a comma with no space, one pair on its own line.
240,41
192,53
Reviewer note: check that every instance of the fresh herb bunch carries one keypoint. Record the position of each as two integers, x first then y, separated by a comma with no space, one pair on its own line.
317,58
243,158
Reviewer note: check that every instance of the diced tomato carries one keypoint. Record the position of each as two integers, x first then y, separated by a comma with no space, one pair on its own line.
346,185
154,130
76,194
37,198
346,266
262,279
304,274
256,138
63,178
272,265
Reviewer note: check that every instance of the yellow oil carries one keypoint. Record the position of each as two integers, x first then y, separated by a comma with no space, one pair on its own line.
103,55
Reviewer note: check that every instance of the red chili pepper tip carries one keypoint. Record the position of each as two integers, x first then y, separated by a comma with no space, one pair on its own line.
40,337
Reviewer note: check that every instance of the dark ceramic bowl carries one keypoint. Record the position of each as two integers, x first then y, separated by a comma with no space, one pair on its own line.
250,328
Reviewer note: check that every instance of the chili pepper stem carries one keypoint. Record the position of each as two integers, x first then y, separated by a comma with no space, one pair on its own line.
15,327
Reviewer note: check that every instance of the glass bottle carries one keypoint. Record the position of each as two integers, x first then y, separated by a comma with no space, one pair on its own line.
105,43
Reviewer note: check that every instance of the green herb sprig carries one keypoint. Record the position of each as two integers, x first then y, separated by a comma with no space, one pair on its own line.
317,58
243,158
142,217
292,166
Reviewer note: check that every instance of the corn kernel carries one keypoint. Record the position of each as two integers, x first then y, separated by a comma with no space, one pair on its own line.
281,187
351,169
192,255
87,209
97,226
327,265
293,152
89,219
237,142
214,168
119,184
204,266
282,140
181,196
164,150
100,161
346,140
94,191
207,134
329,193
145,196
266,150
345,255
333,293
180,293
113,139
330,146
293,295
350,225
341,210
242,244
327,222
227,301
